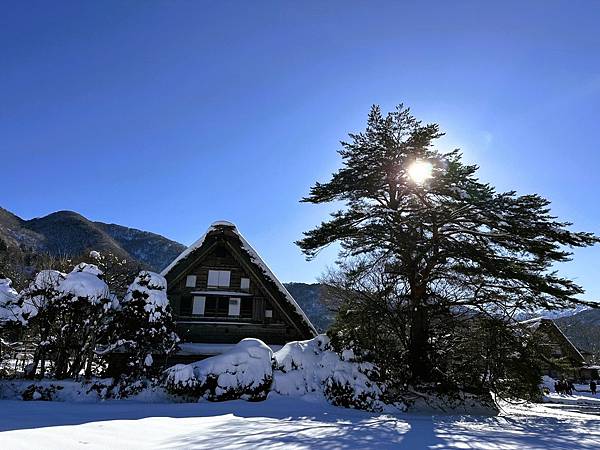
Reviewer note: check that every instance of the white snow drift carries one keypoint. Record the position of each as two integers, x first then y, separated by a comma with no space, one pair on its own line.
299,368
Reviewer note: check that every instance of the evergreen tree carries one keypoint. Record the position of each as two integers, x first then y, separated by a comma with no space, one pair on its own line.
37,313
85,307
444,241
117,272
145,323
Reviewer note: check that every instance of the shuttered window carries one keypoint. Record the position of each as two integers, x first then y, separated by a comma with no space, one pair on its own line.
234,307
190,281
198,306
245,284
218,278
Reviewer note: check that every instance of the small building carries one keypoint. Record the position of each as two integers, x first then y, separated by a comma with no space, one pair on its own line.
562,358
221,291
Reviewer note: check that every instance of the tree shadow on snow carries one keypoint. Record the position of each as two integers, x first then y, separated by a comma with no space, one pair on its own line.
287,423
322,431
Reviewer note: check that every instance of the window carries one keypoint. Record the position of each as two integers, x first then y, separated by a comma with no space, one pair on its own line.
216,307
234,307
245,284
218,278
268,313
185,305
190,281
224,307
198,306
246,308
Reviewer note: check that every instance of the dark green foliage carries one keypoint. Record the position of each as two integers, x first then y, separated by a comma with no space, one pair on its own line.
344,395
40,393
117,271
144,324
431,250
487,354
208,388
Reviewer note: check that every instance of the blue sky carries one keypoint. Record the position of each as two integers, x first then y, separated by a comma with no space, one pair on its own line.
166,116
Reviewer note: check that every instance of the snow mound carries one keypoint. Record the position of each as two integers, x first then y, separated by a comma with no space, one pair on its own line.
8,299
7,292
250,369
47,279
88,268
36,296
243,372
83,283
311,366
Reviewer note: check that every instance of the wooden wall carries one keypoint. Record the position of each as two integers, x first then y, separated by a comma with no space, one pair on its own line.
272,330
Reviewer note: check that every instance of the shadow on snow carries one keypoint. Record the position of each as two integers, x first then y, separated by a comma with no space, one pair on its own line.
291,422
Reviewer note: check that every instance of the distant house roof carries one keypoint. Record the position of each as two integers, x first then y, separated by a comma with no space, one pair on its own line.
225,227
537,322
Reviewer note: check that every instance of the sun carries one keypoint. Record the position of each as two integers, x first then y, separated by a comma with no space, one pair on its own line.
420,171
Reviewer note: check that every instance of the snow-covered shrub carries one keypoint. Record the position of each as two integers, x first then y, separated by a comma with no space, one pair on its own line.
69,315
181,380
33,316
40,393
243,372
8,302
117,271
8,320
145,323
311,366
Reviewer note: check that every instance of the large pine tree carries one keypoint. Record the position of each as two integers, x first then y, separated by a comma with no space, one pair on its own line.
448,241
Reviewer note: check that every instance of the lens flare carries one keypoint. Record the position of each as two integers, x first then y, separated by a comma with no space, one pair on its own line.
420,171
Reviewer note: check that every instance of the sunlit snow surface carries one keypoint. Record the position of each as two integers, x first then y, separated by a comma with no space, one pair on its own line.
284,423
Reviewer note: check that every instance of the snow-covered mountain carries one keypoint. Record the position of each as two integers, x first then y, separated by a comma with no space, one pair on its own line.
67,233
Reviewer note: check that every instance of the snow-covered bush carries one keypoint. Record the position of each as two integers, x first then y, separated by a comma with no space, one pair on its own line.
43,393
243,372
8,320
145,325
251,369
8,302
36,312
312,366
65,316
85,305
117,271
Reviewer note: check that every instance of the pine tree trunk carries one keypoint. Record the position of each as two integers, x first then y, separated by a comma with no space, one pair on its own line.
30,374
418,351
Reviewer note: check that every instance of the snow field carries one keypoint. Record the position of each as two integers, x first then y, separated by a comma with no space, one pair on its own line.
283,422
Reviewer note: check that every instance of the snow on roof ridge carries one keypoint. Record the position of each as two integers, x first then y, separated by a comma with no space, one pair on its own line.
534,319
259,261
223,223
186,252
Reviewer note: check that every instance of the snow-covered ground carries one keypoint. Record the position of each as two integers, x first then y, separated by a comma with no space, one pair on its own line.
285,423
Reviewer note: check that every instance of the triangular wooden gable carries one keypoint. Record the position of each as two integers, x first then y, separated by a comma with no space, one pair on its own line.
225,233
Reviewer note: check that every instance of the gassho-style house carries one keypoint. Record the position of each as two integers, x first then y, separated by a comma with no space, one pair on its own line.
221,291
